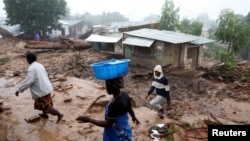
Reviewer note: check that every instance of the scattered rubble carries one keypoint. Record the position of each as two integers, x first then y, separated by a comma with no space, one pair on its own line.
201,93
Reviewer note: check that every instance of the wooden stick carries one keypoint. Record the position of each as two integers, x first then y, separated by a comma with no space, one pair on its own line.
218,121
92,103
81,97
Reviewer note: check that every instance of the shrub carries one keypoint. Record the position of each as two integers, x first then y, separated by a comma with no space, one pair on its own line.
226,58
4,60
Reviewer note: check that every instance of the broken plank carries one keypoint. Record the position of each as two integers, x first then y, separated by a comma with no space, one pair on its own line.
92,103
44,45
33,119
68,99
81,97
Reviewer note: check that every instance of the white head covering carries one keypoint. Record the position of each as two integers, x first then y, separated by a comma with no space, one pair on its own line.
159,69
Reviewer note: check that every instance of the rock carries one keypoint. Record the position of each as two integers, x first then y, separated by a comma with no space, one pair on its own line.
33,119
67,99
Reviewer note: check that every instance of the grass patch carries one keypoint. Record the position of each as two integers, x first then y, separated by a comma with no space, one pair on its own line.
4,60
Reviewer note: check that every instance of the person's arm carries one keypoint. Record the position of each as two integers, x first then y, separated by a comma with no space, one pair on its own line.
101,123
28,81
132,114
151,89
166,84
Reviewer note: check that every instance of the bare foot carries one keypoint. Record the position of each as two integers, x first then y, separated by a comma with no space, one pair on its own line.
60,116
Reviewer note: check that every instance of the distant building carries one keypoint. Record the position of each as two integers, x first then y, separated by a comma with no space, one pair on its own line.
74,29
110,43
7,30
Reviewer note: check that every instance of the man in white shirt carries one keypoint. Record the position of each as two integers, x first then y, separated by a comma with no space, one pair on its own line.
40,87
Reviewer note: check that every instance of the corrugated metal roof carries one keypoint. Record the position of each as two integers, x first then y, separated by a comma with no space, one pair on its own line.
104,39
198,40
166,36
69,22
202,41
14,30
160,35
138,41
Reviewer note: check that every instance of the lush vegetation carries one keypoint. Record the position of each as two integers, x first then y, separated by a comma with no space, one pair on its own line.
170,16
194,28
4,60
35,15
232,31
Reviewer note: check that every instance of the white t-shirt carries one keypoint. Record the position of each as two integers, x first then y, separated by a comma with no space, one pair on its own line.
38,81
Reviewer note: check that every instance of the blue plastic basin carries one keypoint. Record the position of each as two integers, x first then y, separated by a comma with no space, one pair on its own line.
110,69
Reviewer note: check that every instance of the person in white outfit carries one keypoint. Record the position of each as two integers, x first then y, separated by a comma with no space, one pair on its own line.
40,87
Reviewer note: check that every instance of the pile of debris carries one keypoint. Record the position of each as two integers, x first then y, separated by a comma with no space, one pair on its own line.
237,79
65,43
220,73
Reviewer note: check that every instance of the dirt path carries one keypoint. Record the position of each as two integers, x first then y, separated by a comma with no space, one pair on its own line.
83,93
190,107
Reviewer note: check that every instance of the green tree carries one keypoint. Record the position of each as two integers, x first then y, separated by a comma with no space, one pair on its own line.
104,18
232,31
112,17
170,16
185,26
196,28
35,15
247,18
67,15
245,54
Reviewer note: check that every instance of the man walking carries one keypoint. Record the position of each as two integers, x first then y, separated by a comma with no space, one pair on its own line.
160,83
40,87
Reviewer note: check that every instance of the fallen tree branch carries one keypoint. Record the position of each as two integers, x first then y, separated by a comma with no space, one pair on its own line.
218,121
92,103
64,90
81,97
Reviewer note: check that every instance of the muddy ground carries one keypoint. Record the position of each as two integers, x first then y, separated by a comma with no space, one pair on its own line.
196,101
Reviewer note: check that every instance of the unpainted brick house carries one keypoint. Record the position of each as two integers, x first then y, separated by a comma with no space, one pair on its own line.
149,47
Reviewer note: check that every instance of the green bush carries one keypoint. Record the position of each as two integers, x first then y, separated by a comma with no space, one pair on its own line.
208,54
247,75
226,58
211,51
62,50
4,60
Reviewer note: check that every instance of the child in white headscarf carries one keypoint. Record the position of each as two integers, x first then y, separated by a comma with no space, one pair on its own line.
160,83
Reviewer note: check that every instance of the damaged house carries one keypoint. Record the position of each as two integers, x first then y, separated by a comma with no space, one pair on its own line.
74,29
110,43
148,47
7,30
108,38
